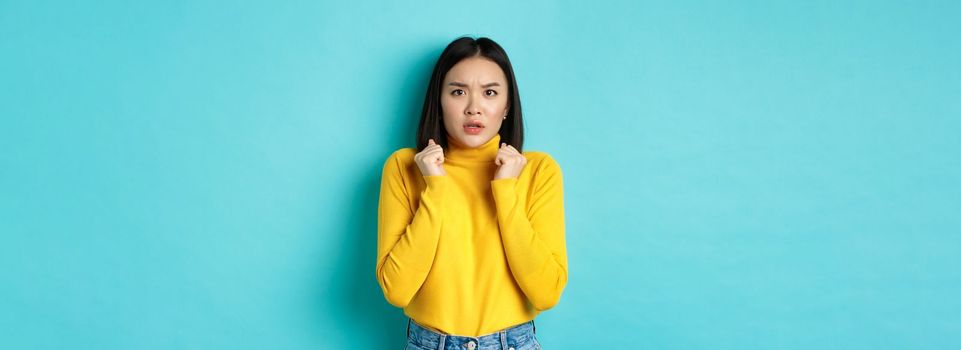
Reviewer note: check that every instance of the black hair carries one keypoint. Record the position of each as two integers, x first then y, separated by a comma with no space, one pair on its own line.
432,118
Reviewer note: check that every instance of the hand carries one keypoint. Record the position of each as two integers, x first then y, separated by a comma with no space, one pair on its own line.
430,161
509,162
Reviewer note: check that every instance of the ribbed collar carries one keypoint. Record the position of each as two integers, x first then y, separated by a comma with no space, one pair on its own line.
483,153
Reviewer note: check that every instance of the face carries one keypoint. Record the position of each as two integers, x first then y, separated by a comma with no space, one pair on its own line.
474,92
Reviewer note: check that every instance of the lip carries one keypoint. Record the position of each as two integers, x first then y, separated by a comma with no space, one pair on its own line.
478,122
474,130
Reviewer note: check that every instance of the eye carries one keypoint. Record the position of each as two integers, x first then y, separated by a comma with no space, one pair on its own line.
457,92
491,92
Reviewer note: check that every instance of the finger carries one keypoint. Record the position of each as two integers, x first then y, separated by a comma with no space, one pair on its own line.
436,150
436,154
499,159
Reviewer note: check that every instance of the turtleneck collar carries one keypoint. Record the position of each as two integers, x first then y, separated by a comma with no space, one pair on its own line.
483,153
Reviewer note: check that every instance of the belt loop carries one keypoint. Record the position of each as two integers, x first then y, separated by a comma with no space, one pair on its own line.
443,339
535,327
503,340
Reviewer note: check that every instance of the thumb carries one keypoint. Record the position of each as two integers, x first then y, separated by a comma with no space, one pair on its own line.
430,142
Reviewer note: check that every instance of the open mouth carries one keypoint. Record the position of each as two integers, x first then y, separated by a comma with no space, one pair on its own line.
473,127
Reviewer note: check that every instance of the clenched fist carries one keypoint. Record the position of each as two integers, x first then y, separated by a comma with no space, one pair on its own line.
430,161
509,162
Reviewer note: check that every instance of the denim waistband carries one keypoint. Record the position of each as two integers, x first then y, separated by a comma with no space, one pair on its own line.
504,339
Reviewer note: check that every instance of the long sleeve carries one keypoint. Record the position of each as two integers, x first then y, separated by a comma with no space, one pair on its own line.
534,239
406,237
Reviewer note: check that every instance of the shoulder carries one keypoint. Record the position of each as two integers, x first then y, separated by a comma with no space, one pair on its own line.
400,159
541,161
403,154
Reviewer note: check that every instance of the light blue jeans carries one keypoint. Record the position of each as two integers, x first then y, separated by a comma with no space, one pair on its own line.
519,337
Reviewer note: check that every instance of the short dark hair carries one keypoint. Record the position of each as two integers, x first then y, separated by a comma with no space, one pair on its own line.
432,118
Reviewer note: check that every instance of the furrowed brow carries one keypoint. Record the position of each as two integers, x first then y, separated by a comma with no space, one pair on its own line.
460,84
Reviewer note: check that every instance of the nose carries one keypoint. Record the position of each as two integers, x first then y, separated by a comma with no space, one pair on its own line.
473,108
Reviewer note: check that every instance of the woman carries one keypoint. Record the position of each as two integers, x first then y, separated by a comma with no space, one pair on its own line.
470,239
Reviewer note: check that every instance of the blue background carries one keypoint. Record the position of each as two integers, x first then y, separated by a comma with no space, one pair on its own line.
738,175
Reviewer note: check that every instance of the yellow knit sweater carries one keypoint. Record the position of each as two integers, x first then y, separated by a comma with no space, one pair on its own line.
463,253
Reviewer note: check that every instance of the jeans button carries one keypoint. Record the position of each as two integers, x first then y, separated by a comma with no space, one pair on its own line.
471,345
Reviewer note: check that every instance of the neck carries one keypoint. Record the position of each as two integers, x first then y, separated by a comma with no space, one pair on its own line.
486,152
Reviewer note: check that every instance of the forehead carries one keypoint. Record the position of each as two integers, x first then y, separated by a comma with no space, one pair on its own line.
475,69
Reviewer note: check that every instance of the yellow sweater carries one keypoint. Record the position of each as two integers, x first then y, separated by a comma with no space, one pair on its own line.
463,253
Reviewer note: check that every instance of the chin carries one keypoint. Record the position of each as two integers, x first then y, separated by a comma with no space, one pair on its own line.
477,140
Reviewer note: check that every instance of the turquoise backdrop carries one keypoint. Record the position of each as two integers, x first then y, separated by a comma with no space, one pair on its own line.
738,174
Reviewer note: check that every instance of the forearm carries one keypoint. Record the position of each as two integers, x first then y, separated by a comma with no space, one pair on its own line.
402,269
536,256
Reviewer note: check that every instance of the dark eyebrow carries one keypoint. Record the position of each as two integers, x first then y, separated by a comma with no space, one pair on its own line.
459,84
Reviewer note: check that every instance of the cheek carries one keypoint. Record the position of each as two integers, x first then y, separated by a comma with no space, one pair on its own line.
448,110
495,121
500,121
449,106
498,106
496,103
